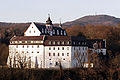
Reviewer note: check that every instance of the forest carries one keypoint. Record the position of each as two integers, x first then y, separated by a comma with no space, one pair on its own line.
108,65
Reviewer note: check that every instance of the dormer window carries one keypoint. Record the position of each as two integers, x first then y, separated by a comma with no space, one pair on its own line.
45,30
29,31
53,31
57,32
61,32
74,43
64,33
82,43
42,30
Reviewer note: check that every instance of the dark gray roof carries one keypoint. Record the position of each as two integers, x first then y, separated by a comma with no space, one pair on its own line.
40,27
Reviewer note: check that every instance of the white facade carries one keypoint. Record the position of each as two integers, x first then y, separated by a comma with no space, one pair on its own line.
32,30
45,56
57,54
32,53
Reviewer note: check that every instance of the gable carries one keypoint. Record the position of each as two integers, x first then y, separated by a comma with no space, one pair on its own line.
32,30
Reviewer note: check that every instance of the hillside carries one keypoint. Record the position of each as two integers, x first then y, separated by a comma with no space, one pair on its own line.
91,19
95,20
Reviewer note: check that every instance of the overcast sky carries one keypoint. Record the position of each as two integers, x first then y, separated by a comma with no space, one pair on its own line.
68,10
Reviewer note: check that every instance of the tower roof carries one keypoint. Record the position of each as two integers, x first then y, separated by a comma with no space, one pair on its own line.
49,20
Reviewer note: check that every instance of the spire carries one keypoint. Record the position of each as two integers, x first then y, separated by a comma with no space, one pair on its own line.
49,22
60,25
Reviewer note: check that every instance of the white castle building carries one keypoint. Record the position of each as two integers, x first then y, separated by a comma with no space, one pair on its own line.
47,46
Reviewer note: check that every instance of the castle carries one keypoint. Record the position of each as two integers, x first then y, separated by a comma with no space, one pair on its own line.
47,46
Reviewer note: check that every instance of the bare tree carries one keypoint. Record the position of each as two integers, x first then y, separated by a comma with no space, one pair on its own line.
79,59
22,62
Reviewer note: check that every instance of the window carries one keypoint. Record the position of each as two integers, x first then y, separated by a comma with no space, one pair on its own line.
13,41
62,48
16,46
27,46
49,48
37,51
23,41
53,31
83,54
67,54
28,41
58,42
63,42
23,46
42,30
83,48
49,59
27,51
22,51
34,31
74,48
61,32
56,63
37,46
62,54
64,33
82,43
49,54
32,51
68,42
16,52
53,48
58,54
58,48
50,42
50,63
45,31
53,42
57,32
32,26
67,48
74,43
32,46
29,31
53,54
64,59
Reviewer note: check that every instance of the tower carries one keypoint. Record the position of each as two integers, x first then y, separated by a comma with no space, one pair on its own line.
49,25
49,22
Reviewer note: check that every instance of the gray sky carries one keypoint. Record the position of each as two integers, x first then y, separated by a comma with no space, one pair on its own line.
67,10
